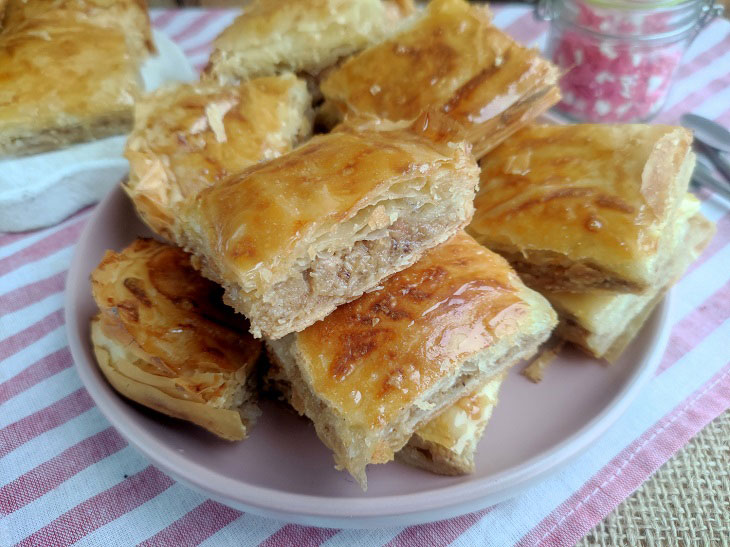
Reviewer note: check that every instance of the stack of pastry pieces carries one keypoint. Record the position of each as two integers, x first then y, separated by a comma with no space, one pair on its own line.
384,60
409,370
377,209
204,136
388,327
595,217
163,336
414,366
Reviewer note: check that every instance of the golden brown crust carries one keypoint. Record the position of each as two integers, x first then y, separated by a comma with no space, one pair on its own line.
604,323
394,343
128,16
584,206
163,331
300,36
58,90
285,238
325,181
376,369
454,59
190,136
121,368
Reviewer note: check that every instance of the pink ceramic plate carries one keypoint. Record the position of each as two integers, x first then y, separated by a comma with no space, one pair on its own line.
283,471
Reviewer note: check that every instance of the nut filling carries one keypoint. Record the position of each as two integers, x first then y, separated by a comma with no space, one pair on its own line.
345,274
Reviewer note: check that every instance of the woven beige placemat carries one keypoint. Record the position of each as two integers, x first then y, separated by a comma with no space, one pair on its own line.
686,502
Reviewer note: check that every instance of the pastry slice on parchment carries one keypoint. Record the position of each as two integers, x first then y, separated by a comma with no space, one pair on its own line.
69,72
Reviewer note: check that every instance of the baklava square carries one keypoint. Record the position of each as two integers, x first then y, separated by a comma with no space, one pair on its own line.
62,82
164,339
453,58
579,207
293,238
375,370
603,323
301,36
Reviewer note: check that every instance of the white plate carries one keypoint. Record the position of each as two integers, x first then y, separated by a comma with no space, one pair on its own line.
43,189
283,471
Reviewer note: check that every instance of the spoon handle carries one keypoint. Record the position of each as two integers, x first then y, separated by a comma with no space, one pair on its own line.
703,178
714,156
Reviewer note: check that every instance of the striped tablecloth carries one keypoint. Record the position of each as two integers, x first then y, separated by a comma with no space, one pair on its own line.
66,476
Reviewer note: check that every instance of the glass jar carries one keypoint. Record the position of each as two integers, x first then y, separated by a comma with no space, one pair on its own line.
619,57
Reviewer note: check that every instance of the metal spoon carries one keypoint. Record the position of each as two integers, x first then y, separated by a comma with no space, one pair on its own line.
722,165
707,131
703,176
709,138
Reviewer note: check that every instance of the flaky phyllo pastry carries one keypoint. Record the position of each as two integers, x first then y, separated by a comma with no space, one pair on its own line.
293,238
129,16
164,339
377,369
67,74
453,58
446,445
580,207
301,36
603,323
188,137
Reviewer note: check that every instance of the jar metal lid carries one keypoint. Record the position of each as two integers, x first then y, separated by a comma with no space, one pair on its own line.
637,4
698,13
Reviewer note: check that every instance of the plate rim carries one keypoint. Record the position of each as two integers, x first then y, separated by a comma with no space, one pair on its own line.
367,512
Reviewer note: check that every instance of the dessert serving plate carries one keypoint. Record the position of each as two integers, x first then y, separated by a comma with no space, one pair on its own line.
283,471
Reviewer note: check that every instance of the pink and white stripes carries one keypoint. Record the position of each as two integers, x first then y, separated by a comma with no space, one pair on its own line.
67,477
